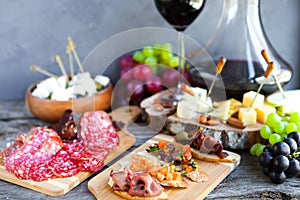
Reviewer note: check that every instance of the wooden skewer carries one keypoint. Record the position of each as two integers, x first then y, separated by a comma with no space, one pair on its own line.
72,47
42,71
266,75
61,66
219,68
71,64
266,56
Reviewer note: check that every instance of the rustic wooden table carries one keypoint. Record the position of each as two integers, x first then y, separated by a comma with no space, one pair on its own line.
245,182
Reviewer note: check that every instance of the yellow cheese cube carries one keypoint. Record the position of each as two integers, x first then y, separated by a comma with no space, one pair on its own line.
263,112
247,115
248,98
222,111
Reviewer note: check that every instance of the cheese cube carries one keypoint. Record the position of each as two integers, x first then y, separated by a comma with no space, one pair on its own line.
186,110
222,111
263,112
248,98
247,115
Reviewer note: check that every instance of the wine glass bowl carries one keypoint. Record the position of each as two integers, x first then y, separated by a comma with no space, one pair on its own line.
180,14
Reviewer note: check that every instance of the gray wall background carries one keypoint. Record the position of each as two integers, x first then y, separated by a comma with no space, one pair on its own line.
32,31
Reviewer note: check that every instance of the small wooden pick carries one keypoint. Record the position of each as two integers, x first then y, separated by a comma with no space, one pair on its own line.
42,71
72,48
267,73
219,68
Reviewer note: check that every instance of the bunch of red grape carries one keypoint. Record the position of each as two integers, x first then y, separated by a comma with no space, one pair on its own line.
280,160
146,72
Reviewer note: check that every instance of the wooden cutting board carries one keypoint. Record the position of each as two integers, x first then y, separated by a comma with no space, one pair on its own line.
60,186
196,191
229,136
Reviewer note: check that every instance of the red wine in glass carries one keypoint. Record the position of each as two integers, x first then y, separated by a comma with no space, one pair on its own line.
180,14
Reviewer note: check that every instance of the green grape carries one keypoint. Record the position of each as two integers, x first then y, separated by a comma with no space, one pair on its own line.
286,119
274,138
138,56
166,55
254,148
272,119
283,136
291,127
259,150
295,117
279,127
298,127
150,60
265,132
166,46
148,51
156,49
173,62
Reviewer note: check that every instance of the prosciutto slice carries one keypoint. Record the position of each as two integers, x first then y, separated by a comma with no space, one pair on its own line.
135,183
208,144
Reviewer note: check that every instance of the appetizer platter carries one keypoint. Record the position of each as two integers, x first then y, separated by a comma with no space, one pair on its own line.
66,176
211,173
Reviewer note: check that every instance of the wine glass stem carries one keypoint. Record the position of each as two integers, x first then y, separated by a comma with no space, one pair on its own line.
181,61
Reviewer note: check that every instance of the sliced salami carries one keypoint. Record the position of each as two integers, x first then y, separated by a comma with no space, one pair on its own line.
42,145
98,132
41,154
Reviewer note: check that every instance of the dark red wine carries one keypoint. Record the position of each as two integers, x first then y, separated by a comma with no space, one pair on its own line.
179,13
238,76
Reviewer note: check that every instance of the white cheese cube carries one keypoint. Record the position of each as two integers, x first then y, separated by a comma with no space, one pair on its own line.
186,110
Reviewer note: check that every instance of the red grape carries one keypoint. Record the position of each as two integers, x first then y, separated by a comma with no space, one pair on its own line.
170,77
136,91
153,84
127,61
134,85
141,72
126,74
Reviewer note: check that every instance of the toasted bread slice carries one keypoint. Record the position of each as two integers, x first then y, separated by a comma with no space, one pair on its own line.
198,176
173,183
168,177
214,158
125,195
232,157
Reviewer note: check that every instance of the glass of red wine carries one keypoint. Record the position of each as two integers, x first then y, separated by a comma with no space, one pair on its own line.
180,14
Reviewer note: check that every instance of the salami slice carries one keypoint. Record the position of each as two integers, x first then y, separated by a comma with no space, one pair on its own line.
98,132
42,145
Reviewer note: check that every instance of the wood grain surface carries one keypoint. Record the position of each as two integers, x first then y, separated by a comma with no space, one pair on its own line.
216,172
247,181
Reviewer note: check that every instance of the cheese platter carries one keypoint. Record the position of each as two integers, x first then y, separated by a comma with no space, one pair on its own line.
231,137
216,171
61,186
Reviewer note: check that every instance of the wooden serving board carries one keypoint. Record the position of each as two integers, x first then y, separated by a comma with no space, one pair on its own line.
196,191
60,186
229,136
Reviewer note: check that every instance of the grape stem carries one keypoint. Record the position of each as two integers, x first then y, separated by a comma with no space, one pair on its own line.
295,155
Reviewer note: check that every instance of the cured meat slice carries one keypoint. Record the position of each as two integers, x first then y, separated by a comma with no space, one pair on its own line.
98,133
41,154
207,144
42,145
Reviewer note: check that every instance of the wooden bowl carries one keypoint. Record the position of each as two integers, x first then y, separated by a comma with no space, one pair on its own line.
52,110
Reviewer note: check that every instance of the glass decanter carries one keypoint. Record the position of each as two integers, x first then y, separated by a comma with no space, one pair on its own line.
240,38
